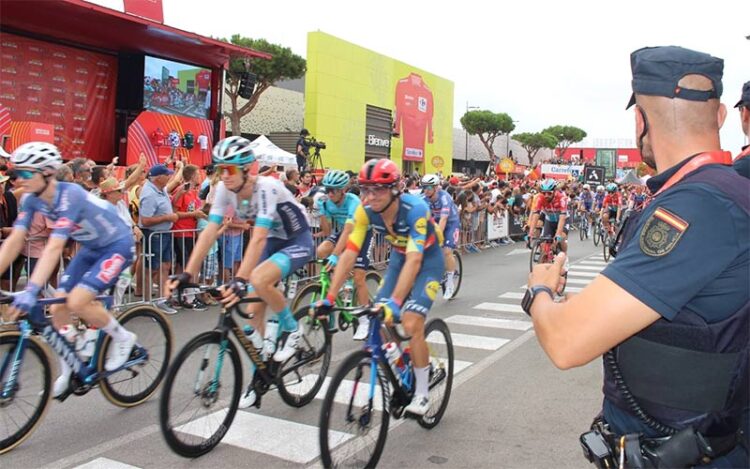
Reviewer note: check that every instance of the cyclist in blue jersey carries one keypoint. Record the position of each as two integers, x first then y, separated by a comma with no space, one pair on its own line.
106,249
445,213
599,197
337,209
416,263
586,202
281,243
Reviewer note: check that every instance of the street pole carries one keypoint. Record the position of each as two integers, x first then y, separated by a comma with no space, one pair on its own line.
466,133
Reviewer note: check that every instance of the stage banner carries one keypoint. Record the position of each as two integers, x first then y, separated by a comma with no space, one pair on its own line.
70,89
497,225
561,171
159,136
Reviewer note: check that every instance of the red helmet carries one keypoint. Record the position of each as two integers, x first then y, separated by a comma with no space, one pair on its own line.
380,171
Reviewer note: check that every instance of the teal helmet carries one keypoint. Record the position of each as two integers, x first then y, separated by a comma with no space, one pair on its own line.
548,185
335,179
611,187
233,150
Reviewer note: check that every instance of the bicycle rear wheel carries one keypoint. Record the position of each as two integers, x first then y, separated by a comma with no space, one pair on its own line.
373,279
306,296
201,394
22,411
439,342
300,377
354,428
132,386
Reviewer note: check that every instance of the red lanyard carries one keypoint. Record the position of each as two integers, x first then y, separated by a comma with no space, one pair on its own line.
703,159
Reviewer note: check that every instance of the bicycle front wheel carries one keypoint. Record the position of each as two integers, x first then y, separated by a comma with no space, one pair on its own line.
438,339
582,228
458,273
306,296
300,377
353,425
373,280
201,395
132,386
22,410
605,246
597,234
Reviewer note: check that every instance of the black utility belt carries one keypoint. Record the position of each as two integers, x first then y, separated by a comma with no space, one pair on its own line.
685,448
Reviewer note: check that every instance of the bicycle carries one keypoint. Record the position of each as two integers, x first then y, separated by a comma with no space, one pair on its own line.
598,230
544,251
314,291
608,238
457,274
26,365
378,390
207,373
583,226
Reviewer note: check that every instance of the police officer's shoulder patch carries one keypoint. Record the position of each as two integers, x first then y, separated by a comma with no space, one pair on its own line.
661,232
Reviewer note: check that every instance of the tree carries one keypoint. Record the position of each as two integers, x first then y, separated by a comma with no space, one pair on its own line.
532,142
284,65
566,136
488,126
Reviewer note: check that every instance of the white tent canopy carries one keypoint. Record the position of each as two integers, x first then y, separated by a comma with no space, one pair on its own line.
631,178
270,154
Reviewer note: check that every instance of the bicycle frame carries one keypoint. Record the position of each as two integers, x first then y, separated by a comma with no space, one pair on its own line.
403,388
85,371
325,285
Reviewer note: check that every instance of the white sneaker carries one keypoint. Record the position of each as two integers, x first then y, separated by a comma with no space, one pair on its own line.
362,329
164,306
419,405
448,295
289,348
247,399
119,352
62,381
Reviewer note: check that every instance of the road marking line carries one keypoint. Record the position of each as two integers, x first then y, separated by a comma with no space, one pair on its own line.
573,289
502,307
587,267
104,463
519,251
578,273
578,281
472,341
512,295
602,263
495,323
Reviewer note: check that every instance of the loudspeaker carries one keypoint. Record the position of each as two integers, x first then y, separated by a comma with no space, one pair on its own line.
247,85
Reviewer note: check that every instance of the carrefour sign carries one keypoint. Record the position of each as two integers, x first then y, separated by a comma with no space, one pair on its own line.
560,170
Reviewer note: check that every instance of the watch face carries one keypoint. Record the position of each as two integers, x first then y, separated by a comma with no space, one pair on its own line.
528,299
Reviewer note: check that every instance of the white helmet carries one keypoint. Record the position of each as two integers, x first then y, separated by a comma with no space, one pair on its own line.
599,188
587,187
36,155
430,180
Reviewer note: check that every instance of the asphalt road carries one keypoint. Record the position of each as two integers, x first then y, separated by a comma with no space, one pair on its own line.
510,406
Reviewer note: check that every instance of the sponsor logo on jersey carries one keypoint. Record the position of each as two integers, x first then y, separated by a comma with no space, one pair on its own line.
422,104
421,226
64,224
111,268
431,289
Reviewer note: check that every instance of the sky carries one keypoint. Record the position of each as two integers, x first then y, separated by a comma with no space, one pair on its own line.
544,62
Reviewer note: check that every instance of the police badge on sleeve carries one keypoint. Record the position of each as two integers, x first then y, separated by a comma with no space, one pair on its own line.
661,232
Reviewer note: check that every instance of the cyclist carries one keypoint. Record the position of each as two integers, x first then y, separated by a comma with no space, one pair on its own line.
444,210
599,198
586,202
106,249
281,242
637,199
554,205
416,262
338,208
611,206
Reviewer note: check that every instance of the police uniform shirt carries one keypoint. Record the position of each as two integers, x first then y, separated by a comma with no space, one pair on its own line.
691,250
742,164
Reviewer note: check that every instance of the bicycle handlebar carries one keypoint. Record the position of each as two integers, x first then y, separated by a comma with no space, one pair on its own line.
216,294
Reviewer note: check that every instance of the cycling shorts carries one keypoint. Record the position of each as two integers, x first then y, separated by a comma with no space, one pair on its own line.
289,255
612,213
550,228
363,258
98,269
426,285
451,235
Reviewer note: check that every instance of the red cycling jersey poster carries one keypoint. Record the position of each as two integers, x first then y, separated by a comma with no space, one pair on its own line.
70,89
149,133
414,112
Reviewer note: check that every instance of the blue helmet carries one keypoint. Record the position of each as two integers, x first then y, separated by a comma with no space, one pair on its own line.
335,179
548,185
611,187
233,150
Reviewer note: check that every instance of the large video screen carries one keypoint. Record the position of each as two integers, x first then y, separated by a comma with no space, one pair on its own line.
176,88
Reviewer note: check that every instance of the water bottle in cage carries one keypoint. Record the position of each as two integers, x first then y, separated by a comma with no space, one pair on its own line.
86,342
347,293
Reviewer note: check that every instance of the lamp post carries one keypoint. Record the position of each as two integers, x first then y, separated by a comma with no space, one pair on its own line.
466,145
507,141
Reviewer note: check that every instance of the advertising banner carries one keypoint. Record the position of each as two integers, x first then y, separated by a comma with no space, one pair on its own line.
22,132
561,171
70,89
160,135
497,225
607,159
594,175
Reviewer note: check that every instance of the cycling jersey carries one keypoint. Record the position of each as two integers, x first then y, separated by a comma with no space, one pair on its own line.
599,199
413,230
552,208
638,201
339,214
271,206
76,214
612,201
588,199
442,205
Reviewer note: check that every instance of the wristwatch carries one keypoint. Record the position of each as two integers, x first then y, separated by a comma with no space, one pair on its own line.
531,292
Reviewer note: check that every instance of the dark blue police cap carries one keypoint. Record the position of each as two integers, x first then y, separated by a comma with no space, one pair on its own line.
745,98
658,70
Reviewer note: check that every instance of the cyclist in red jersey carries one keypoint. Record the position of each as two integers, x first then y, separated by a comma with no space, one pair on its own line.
554,205
612,206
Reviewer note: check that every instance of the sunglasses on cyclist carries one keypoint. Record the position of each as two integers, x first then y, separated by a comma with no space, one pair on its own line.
25,174
547,193
232,170
427,187
331,190
374,190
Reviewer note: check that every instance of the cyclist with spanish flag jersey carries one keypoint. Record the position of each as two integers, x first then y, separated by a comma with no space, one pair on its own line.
416,263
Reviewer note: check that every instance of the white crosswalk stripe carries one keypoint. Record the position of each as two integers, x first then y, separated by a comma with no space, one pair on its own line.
601,263
512,295
104,463
502,307
588,267
495,323
578,281
578,273
472,341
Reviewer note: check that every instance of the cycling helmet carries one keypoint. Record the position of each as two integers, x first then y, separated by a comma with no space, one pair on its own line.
548,185
611,187
430,180
379,171
599,188
233,150
40,156
586,187
335,179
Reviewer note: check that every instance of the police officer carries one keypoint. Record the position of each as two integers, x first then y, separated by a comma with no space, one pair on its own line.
303,150
670,314
742,162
